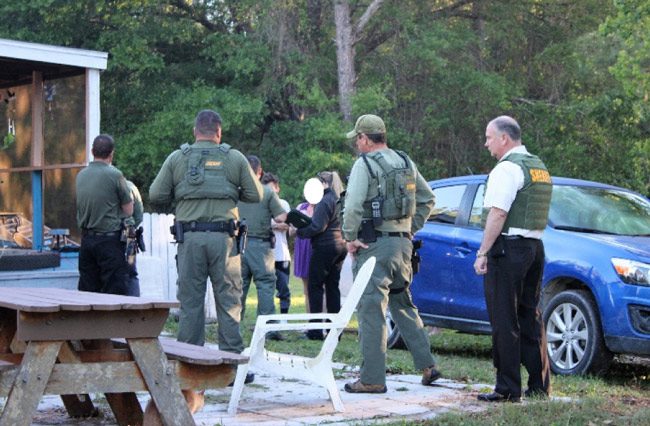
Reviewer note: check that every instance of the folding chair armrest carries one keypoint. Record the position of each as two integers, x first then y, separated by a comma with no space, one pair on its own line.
301,326
264,319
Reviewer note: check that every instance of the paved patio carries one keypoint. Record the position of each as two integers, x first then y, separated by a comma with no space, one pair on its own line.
271,401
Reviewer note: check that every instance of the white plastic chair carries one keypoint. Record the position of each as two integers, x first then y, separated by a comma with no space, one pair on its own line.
316,370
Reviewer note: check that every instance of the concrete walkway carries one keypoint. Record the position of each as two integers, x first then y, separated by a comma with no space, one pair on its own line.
270,401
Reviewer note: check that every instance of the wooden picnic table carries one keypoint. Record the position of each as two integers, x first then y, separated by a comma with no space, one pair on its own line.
55,341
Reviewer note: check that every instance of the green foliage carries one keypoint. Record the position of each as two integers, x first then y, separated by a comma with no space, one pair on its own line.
575,74
316,144
140,154
631,25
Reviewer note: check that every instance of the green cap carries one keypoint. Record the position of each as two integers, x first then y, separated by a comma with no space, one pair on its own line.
368,124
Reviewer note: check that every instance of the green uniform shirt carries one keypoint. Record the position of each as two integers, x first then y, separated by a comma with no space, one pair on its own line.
362,187
101,192
138,208
173,170
258,215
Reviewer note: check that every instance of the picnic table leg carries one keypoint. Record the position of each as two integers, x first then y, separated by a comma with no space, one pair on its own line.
7,329
31,380
76,405
162,382
126,408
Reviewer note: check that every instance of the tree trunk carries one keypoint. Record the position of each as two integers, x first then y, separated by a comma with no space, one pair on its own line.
344,57
347,36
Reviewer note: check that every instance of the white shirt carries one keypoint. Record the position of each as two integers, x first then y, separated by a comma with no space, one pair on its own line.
504,181
281,249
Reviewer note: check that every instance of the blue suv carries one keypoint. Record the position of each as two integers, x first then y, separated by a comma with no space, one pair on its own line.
596,286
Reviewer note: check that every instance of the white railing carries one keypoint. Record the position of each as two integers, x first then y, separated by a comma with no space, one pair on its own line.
157,265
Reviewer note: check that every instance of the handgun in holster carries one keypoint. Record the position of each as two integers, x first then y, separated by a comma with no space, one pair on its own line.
177,231
139,238
242,236
415,256
367,233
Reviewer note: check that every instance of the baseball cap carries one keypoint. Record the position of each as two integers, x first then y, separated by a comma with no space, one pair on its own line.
368,124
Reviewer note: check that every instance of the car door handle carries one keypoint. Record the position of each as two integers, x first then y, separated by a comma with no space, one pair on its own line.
463,250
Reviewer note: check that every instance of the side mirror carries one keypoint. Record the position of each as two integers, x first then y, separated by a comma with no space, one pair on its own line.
313,191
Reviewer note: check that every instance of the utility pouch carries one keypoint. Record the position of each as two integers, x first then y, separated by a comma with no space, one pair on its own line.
131,250
415,256
124,234
367,233
377,204
177,231
272,240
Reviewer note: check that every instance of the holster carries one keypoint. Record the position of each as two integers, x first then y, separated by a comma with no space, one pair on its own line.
177,231
367,233
242,237
140,239
415,256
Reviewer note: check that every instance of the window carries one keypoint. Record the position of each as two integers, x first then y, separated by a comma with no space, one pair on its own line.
447,205
477,208
601,210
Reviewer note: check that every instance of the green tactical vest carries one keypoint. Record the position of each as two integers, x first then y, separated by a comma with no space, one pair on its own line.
206,174
395,184
258,215
533,200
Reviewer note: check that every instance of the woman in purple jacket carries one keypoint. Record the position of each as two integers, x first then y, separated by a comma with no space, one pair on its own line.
328,250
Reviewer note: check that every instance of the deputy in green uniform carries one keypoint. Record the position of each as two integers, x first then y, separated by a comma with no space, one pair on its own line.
103,198
258,261
131,224
387,201
205,181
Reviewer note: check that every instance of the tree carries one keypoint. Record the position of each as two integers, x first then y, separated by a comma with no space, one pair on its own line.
289,75
347,36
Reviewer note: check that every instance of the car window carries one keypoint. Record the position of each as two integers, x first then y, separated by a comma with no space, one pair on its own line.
447,205
477,207
602,210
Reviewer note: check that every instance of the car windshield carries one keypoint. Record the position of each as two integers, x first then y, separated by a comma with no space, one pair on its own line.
599,210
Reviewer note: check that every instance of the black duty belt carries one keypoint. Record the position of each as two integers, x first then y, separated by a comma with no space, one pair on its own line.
265,239
512,237
90,232
393,234
221,226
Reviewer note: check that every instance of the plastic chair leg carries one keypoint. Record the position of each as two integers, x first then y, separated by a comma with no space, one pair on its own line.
333,390
237,388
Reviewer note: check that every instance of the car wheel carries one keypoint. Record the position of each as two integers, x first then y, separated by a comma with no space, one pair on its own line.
395,340
575,342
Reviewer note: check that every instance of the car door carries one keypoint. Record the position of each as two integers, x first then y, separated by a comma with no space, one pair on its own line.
431,288
465,288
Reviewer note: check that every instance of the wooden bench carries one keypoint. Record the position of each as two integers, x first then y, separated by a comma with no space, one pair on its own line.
197,368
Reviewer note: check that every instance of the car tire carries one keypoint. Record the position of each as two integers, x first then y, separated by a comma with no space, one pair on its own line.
574,335
394,340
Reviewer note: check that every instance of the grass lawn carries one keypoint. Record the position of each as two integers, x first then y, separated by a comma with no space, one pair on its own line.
621,397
